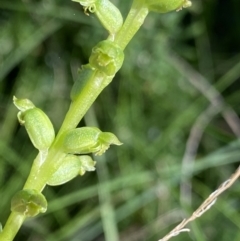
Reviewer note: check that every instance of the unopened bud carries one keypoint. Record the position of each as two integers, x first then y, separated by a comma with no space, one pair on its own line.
107,57
87,140
36,122
29,203
71,167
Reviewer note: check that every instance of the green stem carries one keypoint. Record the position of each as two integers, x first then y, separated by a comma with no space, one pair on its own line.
133,22
12,226
80,106
40,173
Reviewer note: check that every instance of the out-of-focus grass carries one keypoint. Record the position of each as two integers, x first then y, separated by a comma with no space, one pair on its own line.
151,106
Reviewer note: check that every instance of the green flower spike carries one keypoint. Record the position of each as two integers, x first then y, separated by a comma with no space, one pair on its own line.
71,167
87,140
107,13
36,122
107,57
164,6
29,202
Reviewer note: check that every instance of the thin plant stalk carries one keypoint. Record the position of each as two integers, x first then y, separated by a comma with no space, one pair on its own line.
39,174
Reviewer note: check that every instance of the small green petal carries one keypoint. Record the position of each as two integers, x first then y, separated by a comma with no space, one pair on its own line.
23,104
106,139
88,165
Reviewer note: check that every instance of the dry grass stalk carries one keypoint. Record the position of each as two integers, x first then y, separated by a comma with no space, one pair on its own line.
206,205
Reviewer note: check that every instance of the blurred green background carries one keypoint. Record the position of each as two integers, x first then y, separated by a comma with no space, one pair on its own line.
174,105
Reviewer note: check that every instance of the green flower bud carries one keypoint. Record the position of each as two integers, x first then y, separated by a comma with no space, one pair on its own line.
107,57
71,166
29,202
87,140
36,122
164,6
107,13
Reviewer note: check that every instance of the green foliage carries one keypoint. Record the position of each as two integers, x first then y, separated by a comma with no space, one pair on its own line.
150,106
